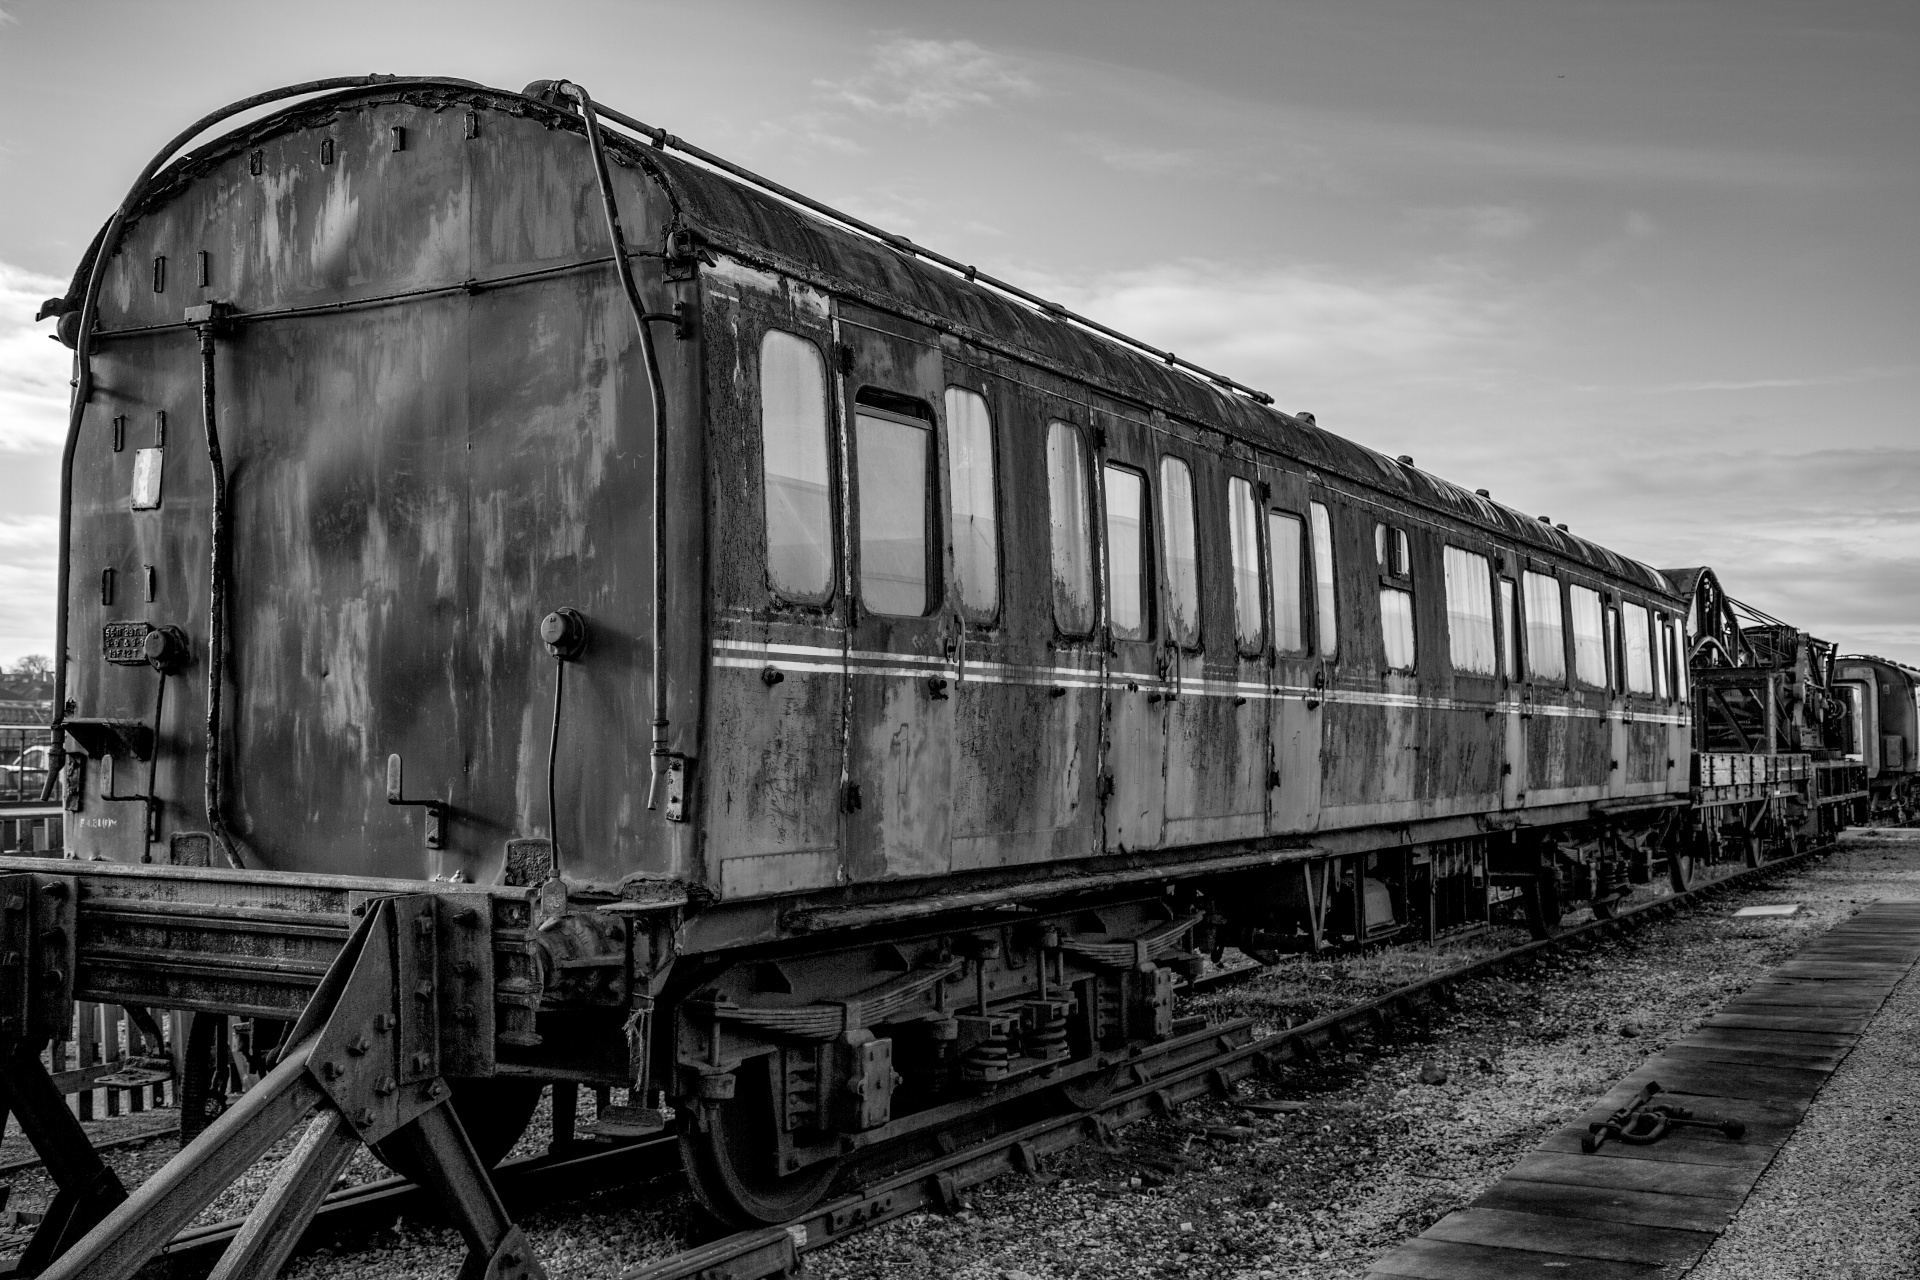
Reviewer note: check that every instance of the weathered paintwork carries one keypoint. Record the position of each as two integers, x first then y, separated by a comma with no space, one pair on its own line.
417,481
413,486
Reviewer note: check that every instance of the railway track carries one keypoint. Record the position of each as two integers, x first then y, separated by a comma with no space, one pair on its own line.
1205,1061
939,1183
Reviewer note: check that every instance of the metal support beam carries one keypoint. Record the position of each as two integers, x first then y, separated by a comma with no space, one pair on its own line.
88,1189
365,1066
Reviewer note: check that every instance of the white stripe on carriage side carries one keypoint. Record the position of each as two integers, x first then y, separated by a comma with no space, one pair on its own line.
879,664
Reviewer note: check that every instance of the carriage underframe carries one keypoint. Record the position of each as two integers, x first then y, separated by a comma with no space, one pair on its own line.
386,999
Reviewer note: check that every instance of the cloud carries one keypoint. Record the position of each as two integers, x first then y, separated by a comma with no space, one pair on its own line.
33,370
808,128
1846,377
929,80
1828,540
1286,323
1476,221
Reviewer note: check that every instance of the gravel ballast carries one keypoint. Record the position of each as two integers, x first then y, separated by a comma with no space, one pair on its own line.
1390,1138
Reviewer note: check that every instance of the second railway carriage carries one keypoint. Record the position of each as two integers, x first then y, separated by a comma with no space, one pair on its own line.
855,691
1884,730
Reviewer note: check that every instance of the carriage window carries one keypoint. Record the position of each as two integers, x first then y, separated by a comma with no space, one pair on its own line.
1126,553
1285,534
1068,518
1680,660
1546,635
893,450
1470,645
1509,630
976,525
1589,639
1613,647
1243,529
1633,626
1662,654
1396,627
1324,612
1181,553
793,454
1390,549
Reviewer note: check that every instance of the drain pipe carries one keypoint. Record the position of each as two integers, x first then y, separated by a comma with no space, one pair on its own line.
206,322
644,319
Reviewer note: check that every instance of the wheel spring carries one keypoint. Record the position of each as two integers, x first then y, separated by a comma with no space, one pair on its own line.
990,1059
1043,1029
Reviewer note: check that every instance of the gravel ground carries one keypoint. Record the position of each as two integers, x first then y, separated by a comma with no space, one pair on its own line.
1842,1199
1390,1139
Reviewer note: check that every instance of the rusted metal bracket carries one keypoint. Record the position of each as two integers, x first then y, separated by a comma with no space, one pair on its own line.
36,1005
368,1063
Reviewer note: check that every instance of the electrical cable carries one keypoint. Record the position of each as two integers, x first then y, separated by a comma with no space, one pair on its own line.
553,754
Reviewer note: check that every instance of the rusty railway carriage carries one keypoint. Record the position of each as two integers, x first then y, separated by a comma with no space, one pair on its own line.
761,666
1883,730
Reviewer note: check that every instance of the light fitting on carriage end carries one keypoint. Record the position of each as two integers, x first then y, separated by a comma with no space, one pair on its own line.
564,631
1483,493
1405,459
1306,416
166,649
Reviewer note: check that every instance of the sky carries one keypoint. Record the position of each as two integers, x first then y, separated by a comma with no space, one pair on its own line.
1648,268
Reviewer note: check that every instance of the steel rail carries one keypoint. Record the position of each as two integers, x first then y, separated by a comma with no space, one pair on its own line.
527,1183
938,1183
547,1179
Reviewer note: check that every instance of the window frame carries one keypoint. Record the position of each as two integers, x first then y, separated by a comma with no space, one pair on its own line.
1573,636
1493,619
1303,584
822,600
1257,645
1626,675
1196,641
1400,587
1512,627
933,545
1326,590
1089,497
959,595
1149,576
1533,675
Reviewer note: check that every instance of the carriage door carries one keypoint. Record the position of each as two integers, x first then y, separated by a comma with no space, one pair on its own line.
1513,768
1134,735
1293,707
899,669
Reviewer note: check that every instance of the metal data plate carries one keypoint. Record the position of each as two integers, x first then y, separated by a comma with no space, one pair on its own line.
125,643
146,478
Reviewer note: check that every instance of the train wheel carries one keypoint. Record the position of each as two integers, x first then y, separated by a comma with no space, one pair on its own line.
494,1112
729,1160
1545,909
1680,871
207,1074
1084,1093
1605,908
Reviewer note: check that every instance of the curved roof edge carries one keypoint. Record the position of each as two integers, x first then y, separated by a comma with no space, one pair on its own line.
756,222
